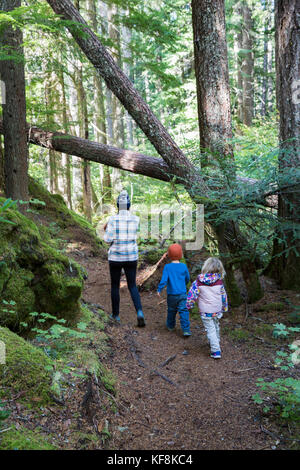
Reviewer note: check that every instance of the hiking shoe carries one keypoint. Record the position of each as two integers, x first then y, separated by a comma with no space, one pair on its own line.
140,319
170,329
186,334
216,355
115,318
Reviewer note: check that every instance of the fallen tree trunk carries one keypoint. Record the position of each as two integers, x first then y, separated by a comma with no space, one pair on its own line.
128,160
100,153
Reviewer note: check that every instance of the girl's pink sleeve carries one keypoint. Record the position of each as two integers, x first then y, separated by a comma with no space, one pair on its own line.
224,300
193,295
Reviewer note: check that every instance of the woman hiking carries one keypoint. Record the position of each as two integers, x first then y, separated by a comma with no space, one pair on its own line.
121,233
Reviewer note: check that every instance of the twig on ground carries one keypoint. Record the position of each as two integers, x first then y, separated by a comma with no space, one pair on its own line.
88,396
4,430
169,359
155,372
135,355
56,400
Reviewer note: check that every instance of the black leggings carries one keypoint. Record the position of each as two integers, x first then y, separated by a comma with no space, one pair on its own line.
115,268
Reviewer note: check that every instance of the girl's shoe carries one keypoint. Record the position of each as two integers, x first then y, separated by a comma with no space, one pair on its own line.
216,355
140,319
170,329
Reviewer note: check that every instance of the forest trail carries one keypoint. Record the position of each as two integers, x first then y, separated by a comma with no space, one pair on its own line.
193,401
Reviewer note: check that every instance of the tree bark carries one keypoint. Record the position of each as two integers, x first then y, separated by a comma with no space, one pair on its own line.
14,109
212,76
93,151
248,66
66,161
2,181
287,246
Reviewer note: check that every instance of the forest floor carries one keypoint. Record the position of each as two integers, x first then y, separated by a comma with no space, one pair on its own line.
165,391
170,394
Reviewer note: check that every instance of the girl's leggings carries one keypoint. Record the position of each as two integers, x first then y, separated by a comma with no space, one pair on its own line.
212,329
115,268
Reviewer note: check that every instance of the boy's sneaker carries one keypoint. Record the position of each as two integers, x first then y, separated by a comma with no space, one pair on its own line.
216,355
170,329
115,318
186,334
140,319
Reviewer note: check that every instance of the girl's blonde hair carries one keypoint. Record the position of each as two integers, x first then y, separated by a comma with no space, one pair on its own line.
213,265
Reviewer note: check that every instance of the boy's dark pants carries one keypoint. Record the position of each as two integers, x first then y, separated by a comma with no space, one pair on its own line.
177,303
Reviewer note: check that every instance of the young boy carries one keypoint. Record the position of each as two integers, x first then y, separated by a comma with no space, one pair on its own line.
175,276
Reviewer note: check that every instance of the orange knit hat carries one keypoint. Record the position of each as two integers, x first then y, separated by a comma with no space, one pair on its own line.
175,252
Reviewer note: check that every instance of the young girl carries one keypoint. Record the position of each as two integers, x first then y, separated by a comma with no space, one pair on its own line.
208,289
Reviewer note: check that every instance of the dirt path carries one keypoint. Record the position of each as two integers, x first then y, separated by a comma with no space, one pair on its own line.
171,394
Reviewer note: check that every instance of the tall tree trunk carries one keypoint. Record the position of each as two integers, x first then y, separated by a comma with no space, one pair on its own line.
100,113
14,109
287,93
84,133
53,155
117,112
2,180
265,81
248,66
214,111
212,76
239,39
66,158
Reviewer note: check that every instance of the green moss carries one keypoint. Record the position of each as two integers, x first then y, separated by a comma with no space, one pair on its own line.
27,368
153,256
272,307
34,274
24,439
56,210
107,378
238,334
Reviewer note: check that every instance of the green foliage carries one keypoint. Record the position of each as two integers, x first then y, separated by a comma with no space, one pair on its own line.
8,204
54,339
285,392
4,414
25,439
282,330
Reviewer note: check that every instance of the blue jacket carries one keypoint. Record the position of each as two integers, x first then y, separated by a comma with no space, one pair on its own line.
175,276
